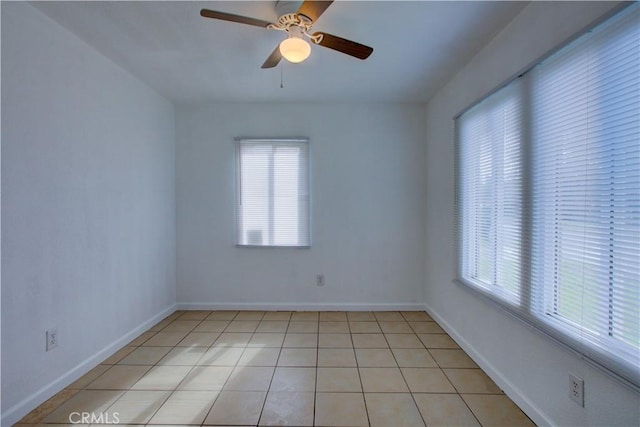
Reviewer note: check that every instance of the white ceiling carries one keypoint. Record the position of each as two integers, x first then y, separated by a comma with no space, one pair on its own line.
187,58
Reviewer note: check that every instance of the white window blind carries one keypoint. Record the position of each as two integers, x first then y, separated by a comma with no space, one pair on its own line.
553,232
273,193
491,188
586,197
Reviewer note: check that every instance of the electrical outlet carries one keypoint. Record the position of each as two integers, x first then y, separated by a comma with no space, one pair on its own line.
576,389
52,339
320,280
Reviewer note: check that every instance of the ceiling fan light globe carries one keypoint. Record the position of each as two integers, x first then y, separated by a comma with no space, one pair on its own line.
295,49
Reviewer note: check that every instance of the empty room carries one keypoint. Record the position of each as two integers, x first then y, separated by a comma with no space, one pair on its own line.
320,213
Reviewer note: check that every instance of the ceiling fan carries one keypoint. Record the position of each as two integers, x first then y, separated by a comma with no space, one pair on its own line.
297,24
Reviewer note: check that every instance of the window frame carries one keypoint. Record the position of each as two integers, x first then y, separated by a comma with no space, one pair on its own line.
283,141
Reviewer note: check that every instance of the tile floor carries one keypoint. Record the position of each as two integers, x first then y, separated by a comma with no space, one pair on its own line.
282,368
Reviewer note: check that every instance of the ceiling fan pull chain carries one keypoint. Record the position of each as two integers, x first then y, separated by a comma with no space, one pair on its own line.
281,73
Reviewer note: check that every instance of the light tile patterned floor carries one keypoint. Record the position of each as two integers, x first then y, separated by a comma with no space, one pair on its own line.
287,368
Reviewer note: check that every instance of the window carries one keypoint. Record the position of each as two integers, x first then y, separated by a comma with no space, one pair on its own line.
273,192
548,195
492,183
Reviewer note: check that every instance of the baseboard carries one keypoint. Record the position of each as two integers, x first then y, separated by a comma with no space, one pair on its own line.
19,410
297,306
501,381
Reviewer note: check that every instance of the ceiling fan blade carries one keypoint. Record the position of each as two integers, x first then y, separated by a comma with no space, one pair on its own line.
273,59
313,9
349,47
233,18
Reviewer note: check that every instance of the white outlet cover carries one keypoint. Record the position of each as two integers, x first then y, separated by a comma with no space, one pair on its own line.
52,339
576,389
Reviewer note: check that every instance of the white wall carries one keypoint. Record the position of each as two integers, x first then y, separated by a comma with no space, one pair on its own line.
367,203
532,369
88,206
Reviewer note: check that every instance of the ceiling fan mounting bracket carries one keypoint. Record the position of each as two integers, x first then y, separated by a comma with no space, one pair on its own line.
289,20
296,24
